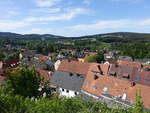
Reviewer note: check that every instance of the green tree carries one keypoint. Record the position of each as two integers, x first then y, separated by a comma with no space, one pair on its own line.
24,82
138,107
96,58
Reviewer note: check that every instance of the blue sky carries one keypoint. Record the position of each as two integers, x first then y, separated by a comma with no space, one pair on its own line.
74,17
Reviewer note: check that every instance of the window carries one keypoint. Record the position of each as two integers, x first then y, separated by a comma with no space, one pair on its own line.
94,87
138,78
127,76
71,74
87,83
78,75
75,93
95,77
67,91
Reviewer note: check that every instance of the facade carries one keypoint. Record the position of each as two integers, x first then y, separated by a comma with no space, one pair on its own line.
68,84
117,82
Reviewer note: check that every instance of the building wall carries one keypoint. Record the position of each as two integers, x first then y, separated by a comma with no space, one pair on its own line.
1,65
56,65
69,94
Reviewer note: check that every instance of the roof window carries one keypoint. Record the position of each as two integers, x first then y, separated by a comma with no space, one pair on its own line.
138,78
71,74
95,77
87,83
94,87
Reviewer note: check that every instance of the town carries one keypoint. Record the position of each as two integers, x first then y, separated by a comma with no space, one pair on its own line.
104,76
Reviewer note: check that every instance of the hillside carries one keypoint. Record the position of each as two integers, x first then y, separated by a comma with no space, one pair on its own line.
108,37
10,35
120,37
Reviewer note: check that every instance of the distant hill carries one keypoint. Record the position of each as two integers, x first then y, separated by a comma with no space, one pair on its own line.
120,37
9,35
108,37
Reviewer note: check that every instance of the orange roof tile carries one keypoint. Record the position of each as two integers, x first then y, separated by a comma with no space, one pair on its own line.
74,67
132,64
2,78
45,74
44,58
115,87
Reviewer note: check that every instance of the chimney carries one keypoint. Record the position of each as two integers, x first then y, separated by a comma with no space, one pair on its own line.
133,84
69,60
99,67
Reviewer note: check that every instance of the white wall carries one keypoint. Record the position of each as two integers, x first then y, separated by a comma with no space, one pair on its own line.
67,94
57,63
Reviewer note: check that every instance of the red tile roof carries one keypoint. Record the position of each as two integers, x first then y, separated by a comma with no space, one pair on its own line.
44,58
2,78
10,64
45,74
115,87
74,67
131,64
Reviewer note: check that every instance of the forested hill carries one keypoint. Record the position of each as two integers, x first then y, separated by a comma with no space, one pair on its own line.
9,35
121,37
108,37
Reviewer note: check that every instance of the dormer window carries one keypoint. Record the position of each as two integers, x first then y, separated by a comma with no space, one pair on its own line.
95,77
138,78
127,76
87,83
71,74
75,93
78,75
63,90
94,87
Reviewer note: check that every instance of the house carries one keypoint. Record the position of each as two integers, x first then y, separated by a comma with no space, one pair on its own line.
121,71
2,77
9,64
46,75
37,56
108,89
74,67
61,57
109,55
27,54
51,55
68,84
144,61
125,58
56,64
69,77
131,64
35,63
79,54
142,76
89,54
111,61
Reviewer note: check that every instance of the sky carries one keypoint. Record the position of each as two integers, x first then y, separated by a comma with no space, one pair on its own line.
74,17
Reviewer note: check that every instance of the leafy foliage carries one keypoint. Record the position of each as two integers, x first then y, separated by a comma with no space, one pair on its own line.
24,82
96,58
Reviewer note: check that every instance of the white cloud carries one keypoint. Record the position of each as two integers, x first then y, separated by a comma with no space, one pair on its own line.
12,25
87,2
46,3
46,10
70,13
131,1
100,26
37,31
142,25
